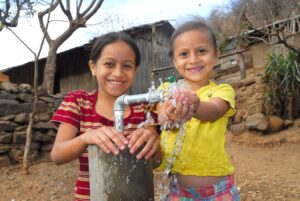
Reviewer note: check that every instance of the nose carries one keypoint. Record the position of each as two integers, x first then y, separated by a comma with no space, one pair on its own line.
118,71
193,58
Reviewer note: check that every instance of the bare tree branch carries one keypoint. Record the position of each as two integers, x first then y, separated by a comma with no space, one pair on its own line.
41,15
66,11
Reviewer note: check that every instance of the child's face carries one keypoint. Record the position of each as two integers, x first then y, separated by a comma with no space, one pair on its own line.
115,69
194,57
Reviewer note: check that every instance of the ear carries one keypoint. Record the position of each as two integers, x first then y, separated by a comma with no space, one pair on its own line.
92,67
218,53
173,61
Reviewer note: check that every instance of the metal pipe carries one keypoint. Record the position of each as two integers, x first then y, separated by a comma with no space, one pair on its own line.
152,96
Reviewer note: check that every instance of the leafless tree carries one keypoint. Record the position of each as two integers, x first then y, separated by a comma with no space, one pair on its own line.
76,18
10,11
31,116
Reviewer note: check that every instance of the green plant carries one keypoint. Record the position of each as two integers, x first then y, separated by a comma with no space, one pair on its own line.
283,81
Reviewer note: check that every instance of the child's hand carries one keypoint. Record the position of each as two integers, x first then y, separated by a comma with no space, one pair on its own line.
107,138
187,103
143,136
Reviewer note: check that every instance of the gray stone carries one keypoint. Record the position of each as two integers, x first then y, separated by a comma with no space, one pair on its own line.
4,148
9,87
6,138
8,96
47,99
47,147
257,121
42,117
21,128
34,146
7,118
7,126
25,98
16,155
238,128
288,123
4,161
25,88
51,133
19,137
9,107
22,118
42,137
45,126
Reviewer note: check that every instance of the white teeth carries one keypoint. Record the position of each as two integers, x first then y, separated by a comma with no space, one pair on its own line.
116,82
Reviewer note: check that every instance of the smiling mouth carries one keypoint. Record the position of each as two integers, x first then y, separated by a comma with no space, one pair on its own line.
116,83
195,69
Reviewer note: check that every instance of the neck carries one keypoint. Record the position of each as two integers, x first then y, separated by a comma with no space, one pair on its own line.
105,104
195,86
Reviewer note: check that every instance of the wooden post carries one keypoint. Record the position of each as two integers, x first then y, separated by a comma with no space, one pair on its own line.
119,178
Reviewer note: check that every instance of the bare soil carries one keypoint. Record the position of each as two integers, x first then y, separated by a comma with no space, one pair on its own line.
267,169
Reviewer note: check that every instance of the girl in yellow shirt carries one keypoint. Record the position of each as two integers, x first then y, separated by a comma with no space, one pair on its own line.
202,169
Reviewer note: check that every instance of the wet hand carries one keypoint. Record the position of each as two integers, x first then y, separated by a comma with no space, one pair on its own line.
148,138
107,138
187,103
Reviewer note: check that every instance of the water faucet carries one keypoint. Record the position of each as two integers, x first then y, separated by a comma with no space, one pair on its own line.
152,96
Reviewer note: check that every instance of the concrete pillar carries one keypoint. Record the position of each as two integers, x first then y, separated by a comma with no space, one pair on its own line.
119,178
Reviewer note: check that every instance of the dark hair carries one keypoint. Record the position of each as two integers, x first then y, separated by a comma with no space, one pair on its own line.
188,26
106,39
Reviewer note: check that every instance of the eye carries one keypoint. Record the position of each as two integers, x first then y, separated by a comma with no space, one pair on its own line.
183,54
128,66
202,50
108,64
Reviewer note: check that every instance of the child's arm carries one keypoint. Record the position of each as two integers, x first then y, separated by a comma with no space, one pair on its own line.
202,110
68,146
211,110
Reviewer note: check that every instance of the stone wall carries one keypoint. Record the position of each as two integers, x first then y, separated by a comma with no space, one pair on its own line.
251,113
16,102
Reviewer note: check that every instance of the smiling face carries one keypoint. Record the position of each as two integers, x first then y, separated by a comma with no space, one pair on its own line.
194,57
115,69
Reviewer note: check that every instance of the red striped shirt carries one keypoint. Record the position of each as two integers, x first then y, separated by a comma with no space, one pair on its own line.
78,110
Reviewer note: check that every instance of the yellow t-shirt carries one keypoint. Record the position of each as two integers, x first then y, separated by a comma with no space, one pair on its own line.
203,152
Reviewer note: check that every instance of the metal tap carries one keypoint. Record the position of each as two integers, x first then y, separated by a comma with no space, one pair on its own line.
152,96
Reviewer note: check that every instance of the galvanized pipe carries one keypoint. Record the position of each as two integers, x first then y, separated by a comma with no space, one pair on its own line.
152,96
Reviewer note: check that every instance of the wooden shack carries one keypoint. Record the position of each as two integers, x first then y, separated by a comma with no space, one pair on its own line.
72,71
250,90
255,52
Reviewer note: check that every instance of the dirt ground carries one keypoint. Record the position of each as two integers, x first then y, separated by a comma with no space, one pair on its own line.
267,169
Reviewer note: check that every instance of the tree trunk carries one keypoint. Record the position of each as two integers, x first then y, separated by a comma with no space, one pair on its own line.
50,68
31,119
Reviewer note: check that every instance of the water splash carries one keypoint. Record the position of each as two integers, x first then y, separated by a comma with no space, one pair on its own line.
170,91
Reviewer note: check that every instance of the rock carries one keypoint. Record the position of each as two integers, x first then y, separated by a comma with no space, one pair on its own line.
240,116
5,137
19,137
275,123
238,128
9,87
25,88
22,118
257,121
47,148
288,123
7,125
16,155
4,148
45,126
4,161
25,97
